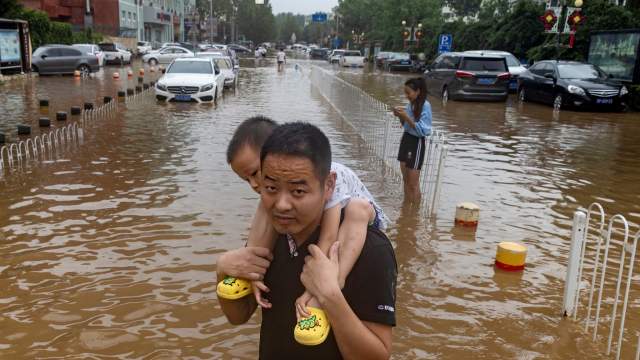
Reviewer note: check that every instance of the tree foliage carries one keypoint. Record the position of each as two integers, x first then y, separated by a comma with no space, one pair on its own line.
256,22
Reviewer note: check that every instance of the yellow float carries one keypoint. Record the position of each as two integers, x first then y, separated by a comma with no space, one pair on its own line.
511,256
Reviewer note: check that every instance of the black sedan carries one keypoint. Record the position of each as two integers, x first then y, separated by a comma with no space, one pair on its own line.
571,84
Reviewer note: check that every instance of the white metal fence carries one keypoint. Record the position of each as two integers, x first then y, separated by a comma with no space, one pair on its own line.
380,130
50,143
593,252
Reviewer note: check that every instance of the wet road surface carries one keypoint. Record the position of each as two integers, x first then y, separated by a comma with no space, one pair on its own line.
110,251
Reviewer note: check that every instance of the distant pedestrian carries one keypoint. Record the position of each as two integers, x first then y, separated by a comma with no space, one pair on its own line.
282,59
416,121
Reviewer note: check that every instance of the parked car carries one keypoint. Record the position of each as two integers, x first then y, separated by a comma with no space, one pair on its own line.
91,49
398,62
115,53
226,66
63,59
515,67
335,55
460,76
239,49
144,47
379,59
191,79
167,44
352,58
319,54
571,84
166,55
189,46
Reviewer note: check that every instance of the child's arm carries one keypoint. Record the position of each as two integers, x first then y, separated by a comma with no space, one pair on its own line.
261,234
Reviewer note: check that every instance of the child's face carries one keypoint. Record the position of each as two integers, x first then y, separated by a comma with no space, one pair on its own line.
246,164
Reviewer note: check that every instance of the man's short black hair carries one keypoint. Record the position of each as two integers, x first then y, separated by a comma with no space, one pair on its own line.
303,140
253,132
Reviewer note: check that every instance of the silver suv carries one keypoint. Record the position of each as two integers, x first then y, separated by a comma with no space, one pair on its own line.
462,76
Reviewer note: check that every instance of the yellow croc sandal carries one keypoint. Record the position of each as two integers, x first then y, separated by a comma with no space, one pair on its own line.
233,288
314,329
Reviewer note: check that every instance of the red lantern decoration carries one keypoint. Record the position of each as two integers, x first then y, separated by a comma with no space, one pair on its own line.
549,19
406,34
419,34
576,18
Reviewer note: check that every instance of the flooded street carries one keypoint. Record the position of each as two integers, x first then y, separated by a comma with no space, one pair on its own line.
110,251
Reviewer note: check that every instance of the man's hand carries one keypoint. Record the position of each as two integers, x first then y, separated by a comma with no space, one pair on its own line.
250,263
320,274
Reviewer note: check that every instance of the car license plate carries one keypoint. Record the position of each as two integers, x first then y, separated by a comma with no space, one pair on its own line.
183,97
486,81
604,101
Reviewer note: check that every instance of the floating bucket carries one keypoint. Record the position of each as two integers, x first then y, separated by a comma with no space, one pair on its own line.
138,88
61,116
76,110
44,103
511,256
141,72
76,74
129,73
88,106
467,214
145,86
3,138
130,92
116,75
107,99
121,94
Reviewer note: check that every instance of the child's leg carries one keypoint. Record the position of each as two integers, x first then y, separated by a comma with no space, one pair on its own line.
352,234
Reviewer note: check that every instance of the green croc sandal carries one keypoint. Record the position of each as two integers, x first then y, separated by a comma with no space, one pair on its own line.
232,288
314,329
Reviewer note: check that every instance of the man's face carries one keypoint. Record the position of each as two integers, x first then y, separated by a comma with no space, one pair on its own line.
293,195
246,164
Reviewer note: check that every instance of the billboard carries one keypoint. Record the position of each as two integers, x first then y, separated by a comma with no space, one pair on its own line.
9,46
616,53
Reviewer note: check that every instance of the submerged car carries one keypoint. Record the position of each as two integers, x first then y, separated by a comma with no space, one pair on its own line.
225,64
91,49
571,84
352,58
63,59
514,65
166,55
191,80
460,76
319,53
115,53
335,55
144,47
398,62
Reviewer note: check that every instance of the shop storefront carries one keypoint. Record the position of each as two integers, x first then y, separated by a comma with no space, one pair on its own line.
158,25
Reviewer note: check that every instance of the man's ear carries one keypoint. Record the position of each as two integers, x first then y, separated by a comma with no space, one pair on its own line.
329,185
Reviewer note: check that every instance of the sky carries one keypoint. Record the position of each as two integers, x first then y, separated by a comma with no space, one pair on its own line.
305,7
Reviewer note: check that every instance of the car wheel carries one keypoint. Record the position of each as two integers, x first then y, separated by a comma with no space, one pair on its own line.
522,95
557,102
445,95
35,69
153,62
84,70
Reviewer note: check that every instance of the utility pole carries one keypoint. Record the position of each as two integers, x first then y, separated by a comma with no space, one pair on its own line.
211,21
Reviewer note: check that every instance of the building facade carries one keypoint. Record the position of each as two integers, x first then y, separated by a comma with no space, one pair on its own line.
142,20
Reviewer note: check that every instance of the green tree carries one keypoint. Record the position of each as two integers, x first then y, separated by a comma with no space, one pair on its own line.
286,25
256,22
10,9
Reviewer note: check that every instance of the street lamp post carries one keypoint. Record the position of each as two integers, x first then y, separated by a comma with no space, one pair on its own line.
211,21
411,33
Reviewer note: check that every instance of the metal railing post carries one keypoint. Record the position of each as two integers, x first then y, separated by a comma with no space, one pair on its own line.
571,281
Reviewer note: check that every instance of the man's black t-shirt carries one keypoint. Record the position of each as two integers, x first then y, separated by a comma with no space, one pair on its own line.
370,290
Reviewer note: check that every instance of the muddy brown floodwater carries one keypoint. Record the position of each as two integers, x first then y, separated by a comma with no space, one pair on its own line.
109,252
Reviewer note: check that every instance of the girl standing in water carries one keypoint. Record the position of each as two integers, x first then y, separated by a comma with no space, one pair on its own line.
416,121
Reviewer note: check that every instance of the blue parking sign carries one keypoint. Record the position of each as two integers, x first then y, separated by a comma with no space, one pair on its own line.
445,43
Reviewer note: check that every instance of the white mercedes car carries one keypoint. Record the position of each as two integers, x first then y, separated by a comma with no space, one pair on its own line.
191,79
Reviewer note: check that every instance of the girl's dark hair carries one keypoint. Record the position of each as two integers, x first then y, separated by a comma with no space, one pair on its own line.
417,84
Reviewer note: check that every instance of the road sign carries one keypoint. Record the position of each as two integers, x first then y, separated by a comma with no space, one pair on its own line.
445,43
319,17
